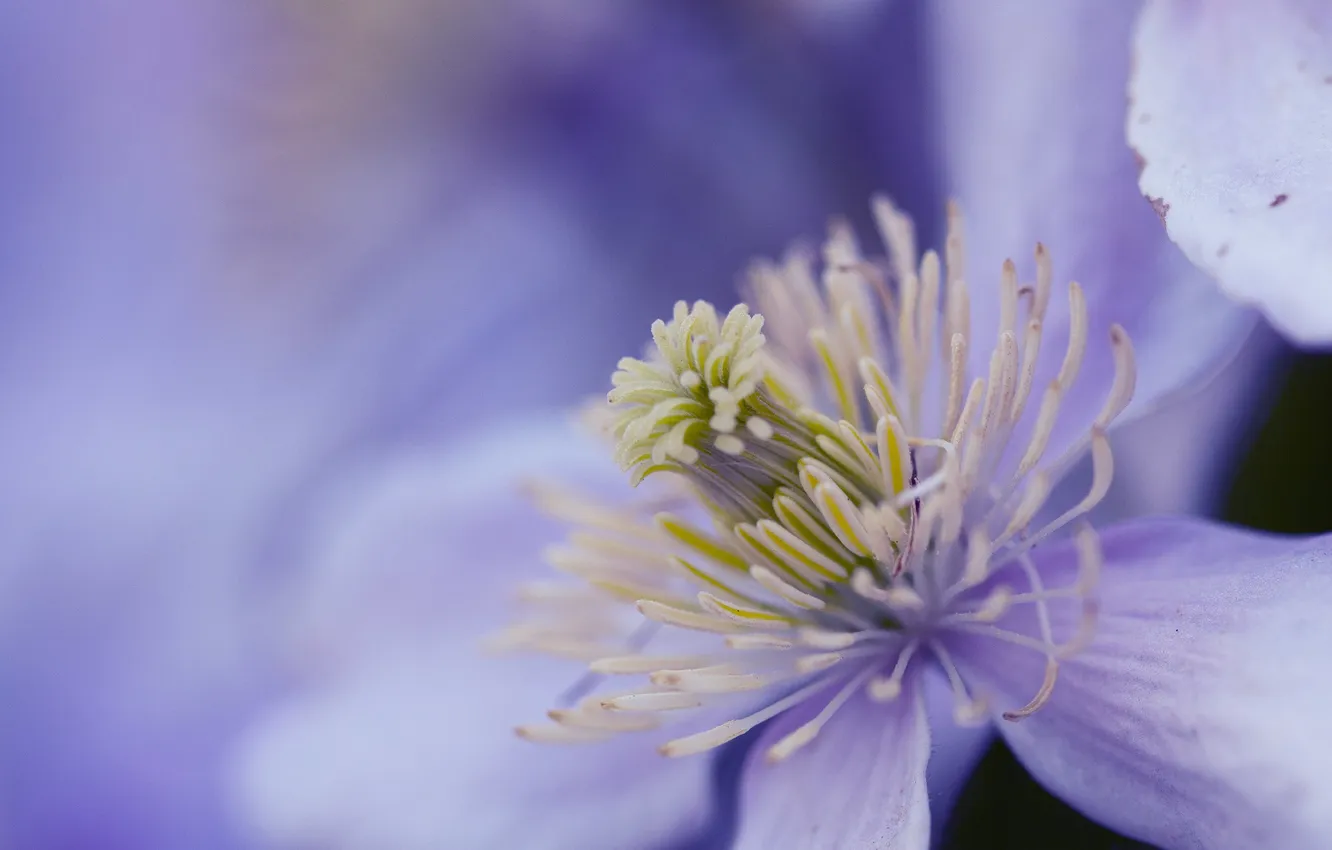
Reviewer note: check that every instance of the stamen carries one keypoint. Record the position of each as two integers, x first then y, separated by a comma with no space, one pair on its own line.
652,701
703,682
765,549
1103,472
929,304
1126,376
771,581
699,541
995,605
732,729
630,664
967,711
1033,498
957,374
1051,665
759,641
978,558
862,582
1008,298
846,402
800,555
821,639
684,619
1044,278
693,573
740,613
552,733
1077,337
817,662
806,733
893,453
904,596
887,689
603,720
968,411
898,233
845,521
1042,695
792,514
1031,346
1040,433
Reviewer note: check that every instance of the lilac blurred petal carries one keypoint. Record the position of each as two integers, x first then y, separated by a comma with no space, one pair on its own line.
404,737
1231,113
1038,154
859,783
1196,717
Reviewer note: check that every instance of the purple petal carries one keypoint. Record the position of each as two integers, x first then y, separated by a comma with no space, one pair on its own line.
1032,99
1231,113
1197,717
404,738
859,783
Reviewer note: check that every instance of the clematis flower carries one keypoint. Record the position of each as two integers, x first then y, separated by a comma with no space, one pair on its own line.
839,557
1231,113
402,739
856,508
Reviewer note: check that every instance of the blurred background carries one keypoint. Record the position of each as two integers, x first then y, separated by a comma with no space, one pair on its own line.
250,249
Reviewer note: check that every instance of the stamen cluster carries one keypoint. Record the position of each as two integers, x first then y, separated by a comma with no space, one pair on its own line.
844,496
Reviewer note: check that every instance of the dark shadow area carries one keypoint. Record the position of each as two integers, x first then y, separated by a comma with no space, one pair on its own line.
1282,484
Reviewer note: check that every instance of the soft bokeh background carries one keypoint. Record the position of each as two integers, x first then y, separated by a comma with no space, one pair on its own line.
248,248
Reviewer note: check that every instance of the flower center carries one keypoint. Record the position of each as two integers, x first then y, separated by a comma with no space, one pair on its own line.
835,498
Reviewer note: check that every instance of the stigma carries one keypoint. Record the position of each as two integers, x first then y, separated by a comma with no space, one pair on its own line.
841,483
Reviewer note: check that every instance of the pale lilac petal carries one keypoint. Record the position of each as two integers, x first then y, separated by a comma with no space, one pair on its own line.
404,735
417,751
1231,116
1198,716
1032,100
859,784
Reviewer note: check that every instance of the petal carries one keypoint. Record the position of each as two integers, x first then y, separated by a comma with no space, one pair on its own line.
435,541
860,783
1231,112
405,737
1032,100
417,751
1198,715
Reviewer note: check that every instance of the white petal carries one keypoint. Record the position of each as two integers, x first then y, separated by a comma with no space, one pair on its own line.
1231,117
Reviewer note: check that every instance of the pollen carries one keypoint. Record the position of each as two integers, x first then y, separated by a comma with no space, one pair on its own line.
845,484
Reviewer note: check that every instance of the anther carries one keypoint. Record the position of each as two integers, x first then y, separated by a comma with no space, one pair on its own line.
889,688
1042,695
1077,337
1126,376
552,733
1044,279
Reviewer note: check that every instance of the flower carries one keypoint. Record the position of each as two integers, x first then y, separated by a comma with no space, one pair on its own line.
835,561
401,737
870,498
1230,115
830,525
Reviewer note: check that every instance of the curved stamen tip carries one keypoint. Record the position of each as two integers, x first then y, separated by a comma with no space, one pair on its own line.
1042,695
